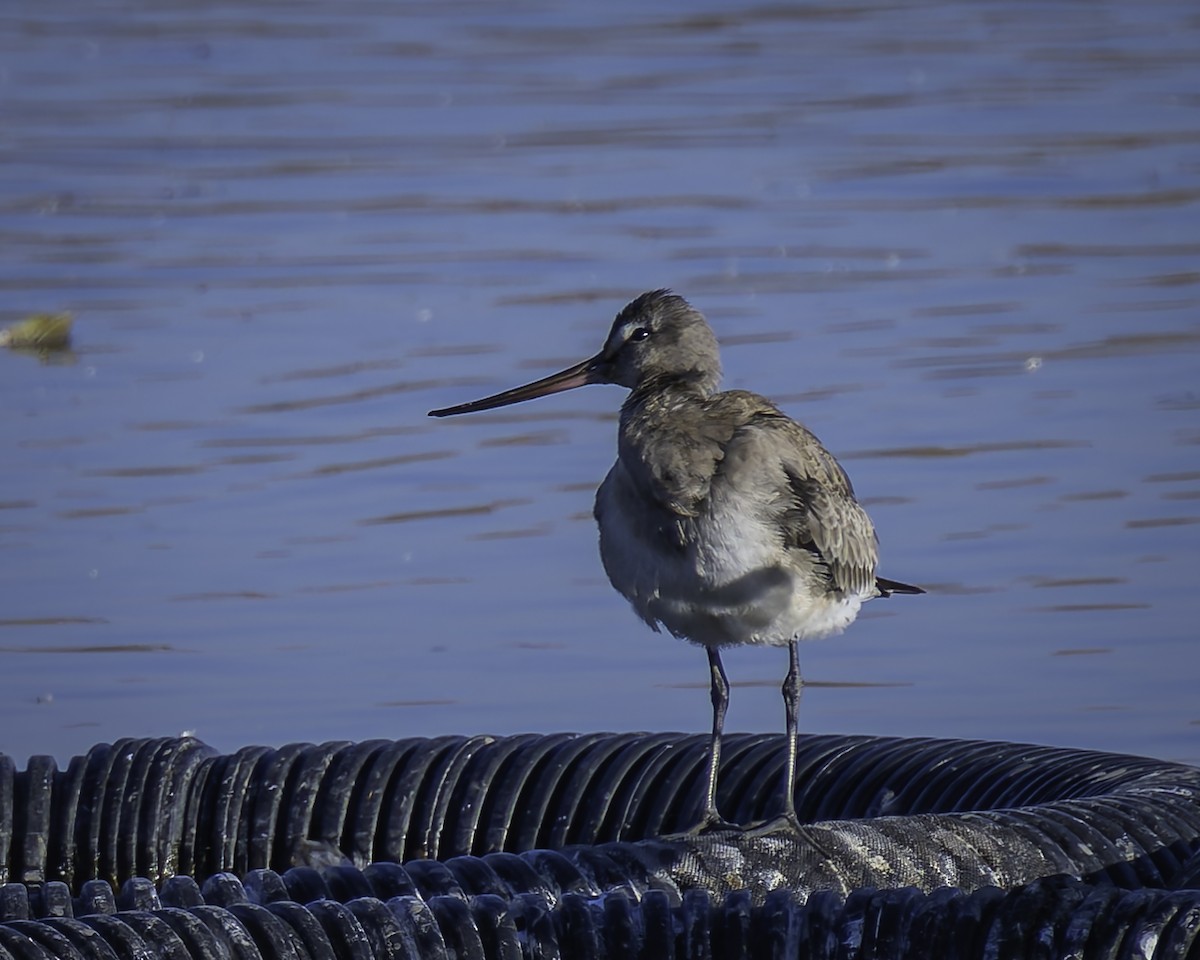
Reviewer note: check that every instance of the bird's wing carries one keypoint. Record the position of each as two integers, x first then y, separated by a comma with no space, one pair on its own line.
809,496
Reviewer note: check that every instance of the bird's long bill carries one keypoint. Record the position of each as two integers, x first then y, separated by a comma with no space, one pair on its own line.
577,376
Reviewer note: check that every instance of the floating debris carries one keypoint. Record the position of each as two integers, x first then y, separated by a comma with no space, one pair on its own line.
39,331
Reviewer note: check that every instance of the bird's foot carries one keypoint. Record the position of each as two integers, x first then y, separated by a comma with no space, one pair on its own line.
788,825
784,823
712,822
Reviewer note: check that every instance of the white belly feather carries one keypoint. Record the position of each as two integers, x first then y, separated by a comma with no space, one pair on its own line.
720,578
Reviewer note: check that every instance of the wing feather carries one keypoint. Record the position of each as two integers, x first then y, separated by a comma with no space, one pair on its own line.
815,499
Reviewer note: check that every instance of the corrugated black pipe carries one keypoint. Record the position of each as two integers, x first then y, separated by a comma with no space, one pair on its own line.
561,845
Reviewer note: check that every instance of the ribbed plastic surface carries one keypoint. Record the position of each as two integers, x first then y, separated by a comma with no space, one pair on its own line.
524,847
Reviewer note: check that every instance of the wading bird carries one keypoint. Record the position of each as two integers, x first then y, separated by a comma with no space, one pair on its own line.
723,520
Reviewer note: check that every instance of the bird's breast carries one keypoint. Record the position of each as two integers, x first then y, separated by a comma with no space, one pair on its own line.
720,576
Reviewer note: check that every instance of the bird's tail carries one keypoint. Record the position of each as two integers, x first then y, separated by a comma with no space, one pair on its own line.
887,587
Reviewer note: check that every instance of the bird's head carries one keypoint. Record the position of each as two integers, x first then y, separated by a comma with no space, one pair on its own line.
657,338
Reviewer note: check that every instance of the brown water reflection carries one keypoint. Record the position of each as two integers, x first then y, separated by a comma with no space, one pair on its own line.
356,437
465,511
541,438
354,396
90,648
286,236
380,463
937,452
231,595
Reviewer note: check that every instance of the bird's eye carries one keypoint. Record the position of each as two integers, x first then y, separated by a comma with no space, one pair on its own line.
639,334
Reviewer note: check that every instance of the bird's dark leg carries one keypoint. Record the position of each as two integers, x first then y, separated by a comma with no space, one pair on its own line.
788,822
793,687
720,701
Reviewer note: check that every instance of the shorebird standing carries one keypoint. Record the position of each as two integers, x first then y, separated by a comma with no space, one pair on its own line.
722,520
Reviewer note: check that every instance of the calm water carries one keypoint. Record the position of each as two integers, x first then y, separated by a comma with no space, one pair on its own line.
959,240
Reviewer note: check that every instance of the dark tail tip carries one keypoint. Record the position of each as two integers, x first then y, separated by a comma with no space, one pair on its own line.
887,587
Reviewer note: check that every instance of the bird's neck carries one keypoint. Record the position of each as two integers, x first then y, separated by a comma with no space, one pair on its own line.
660,410
662,446
668,390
